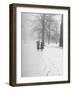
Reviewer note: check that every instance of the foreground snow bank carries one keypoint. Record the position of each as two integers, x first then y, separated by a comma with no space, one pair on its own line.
35,62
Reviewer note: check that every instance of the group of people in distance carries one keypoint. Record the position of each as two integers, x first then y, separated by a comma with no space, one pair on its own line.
40,45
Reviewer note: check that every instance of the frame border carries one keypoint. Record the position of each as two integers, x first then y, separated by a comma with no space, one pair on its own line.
12,44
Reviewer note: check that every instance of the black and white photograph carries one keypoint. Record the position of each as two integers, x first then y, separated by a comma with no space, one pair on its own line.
40,44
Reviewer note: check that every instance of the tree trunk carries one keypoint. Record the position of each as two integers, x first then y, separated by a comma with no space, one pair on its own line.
49,35
43,27
56,35
61,34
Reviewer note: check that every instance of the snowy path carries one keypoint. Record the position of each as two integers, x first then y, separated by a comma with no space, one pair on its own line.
41,63
53,59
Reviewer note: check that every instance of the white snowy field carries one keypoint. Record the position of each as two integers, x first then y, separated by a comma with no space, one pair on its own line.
47,62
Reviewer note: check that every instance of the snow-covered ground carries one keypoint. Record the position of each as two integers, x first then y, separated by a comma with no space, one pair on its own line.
35,62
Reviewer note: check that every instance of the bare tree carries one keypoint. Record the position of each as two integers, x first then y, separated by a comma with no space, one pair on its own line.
43,27
40,28
50,20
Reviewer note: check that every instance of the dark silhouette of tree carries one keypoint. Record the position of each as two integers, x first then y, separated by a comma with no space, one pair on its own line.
46,27
61,33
